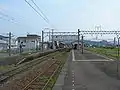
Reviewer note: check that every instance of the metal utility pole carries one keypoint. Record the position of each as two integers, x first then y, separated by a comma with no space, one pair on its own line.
78,39
114,41
118,48
52,39
82,44
49,35
21,45
9,44
118,59
42,40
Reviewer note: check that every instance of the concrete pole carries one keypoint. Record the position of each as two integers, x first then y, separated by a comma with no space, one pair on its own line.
49,35
42,40
118,48
82,44
52,40
9,43
78,39
114,41
118,60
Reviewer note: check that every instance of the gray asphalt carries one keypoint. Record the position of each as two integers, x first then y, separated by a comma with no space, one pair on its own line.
85,76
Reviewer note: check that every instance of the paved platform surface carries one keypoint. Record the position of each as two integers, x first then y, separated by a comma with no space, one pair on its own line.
83,75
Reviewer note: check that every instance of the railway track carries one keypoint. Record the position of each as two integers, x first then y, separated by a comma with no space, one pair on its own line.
22,68
43,82
39,78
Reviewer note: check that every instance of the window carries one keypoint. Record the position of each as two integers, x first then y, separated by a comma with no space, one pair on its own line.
18,40
23,45
25,41
33,41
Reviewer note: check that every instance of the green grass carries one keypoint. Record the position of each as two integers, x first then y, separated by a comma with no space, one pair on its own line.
27,53
6,67
112,53
63,58
3,51
18,56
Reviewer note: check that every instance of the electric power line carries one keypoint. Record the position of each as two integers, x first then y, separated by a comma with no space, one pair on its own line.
9,18
40,10
6,16
44,17
36,11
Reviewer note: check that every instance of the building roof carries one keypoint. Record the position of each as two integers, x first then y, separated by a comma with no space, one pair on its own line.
21,37
2,41
30,36
1,36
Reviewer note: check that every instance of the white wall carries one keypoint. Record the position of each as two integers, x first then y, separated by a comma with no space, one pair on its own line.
29,44
65,37
3,45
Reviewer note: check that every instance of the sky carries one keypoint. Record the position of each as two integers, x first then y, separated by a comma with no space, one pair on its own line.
64,15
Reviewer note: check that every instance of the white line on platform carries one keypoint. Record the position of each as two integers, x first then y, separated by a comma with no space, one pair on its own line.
96,60
73,85
106,59
73,55
100,55
73,89
73,77
72,72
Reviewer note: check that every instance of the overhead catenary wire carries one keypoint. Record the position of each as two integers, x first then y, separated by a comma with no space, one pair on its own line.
40,10
40,13
37,12
9,18
3,14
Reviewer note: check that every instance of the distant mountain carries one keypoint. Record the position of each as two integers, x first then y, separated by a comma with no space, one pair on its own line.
98,43
91,43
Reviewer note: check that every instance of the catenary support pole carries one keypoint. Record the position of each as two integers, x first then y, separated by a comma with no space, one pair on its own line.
9,43
82,44
78,39
42,40
118,58
52,40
